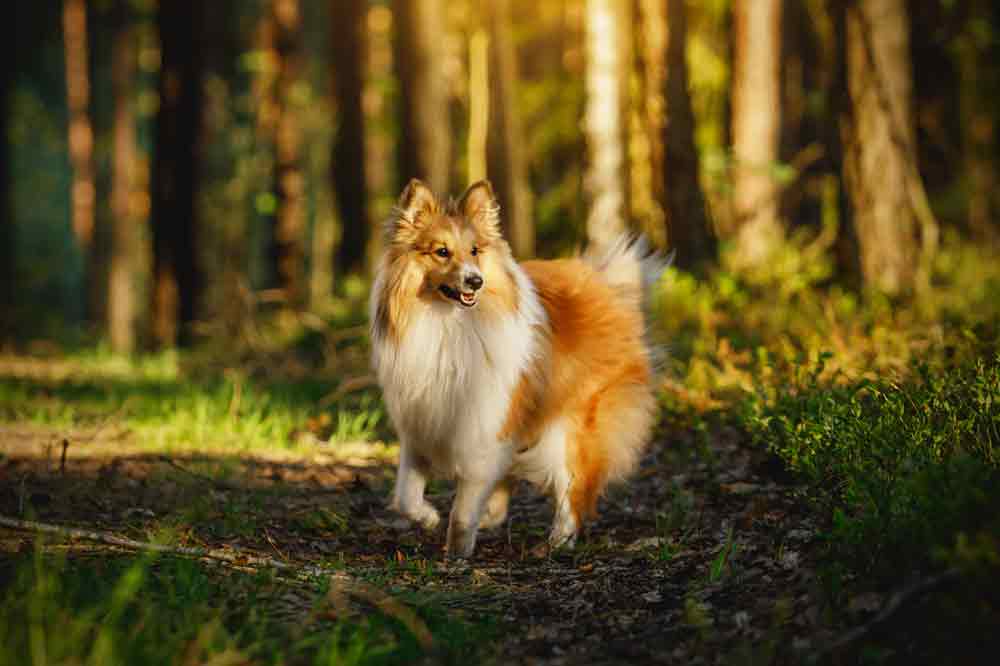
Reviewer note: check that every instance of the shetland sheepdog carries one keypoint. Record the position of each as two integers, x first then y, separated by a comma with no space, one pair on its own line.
494,371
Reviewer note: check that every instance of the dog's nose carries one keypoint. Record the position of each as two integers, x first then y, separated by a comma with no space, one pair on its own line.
474,282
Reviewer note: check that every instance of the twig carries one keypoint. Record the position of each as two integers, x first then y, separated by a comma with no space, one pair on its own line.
895,603
217,483
229,556
62,459
386,604
342,583
349,385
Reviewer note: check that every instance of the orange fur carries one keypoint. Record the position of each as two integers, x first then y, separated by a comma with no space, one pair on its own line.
493,370
596,372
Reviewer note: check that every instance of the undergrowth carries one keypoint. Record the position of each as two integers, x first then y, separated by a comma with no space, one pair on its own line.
149,610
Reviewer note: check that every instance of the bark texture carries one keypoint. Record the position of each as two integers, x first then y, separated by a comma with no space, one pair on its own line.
176,167
125,243
348,49
425,145
688,230
755,228
879,139
604,121
506,149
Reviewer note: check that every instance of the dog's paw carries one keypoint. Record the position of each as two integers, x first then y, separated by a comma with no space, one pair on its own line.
426,516
461,542
554,543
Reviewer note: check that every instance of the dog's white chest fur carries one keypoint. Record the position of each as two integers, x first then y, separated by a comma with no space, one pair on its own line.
448,382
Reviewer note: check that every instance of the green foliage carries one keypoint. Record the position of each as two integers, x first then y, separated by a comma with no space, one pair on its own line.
902,468
737,333
172,611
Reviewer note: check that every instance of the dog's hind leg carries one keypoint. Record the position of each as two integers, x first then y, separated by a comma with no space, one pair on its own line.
408,497
496,506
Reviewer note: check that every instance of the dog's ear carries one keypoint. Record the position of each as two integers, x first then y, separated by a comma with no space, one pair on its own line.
479,206
416,202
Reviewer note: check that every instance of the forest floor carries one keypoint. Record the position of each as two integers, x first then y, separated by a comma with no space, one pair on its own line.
701,556
710,555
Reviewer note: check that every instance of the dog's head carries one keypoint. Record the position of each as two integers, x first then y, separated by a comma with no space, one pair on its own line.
454,247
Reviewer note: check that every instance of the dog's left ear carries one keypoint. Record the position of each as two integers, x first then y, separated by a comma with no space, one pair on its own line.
479,206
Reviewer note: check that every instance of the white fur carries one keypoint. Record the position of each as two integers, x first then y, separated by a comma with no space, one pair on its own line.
544,465
447,386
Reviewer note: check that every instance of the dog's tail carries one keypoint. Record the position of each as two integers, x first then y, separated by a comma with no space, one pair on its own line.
630,266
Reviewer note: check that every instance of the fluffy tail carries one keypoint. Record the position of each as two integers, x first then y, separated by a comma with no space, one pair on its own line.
630,266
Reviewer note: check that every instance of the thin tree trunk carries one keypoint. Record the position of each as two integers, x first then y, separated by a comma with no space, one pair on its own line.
349,179
83,194
125,243
7,236
177,281
756,118
508,164
688,229
289,182
479,103
890,212
604,122
425,144
978,128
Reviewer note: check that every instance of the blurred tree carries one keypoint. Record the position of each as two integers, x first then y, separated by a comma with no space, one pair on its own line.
176,170
348,30
83,193
756,119
506,150
976,53
669,115
425,141
896,231
7,255
604,119
479,102
285,24
125,245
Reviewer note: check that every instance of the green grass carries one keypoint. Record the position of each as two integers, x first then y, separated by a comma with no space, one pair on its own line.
165,411
146,610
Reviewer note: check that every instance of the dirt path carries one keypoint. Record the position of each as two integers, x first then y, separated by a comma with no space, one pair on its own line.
701,559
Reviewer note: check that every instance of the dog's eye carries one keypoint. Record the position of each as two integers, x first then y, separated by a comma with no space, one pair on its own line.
475,250
442,252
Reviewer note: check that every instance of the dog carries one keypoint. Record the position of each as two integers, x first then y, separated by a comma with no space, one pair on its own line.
494,371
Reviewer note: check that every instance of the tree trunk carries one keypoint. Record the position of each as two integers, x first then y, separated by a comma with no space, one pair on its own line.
604,121
756,118
7,237
977,81
688,230
479,103
124,255
349,179
83,194
879,156
177,281
508,165
425,144
289,182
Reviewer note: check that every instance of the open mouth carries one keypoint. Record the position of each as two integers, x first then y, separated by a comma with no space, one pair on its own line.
466,298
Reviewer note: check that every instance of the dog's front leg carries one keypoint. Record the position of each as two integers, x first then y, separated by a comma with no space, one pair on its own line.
470,501
408,497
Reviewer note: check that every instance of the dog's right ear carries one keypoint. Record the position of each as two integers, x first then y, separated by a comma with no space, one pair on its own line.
415,203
